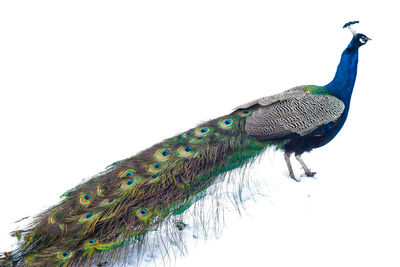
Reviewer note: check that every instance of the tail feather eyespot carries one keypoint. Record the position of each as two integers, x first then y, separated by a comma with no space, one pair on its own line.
143,214
203,131
127,173
87,217
85,199
130,183
186,135
91,242
64,255
225,123
162,154
154,168
244,113
107,202
185,151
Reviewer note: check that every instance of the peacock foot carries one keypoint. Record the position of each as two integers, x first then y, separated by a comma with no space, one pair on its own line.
309,173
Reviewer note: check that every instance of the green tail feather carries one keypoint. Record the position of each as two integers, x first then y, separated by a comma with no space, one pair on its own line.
120,206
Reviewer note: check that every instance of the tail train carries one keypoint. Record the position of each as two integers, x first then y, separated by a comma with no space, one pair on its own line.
97,219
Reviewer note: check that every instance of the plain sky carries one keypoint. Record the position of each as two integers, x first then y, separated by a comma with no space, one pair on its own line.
87,83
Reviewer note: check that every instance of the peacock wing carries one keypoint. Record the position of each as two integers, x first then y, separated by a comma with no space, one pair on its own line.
301,115
295,92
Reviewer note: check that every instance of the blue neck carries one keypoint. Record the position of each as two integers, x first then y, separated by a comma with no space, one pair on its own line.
343,83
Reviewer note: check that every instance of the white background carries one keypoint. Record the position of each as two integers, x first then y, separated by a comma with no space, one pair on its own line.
86,83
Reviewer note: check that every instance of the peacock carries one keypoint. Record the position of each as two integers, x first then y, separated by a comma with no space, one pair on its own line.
103,219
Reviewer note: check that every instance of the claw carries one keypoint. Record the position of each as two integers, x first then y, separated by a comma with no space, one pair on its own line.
310,174
307,171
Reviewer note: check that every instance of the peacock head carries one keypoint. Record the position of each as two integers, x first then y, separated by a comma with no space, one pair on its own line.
360,39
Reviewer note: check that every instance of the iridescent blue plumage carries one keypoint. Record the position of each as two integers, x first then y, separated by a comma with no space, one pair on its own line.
341,87
343,83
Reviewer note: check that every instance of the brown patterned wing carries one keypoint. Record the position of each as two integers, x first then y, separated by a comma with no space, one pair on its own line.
295,92
299,115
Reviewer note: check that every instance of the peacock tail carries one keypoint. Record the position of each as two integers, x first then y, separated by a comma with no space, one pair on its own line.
97,220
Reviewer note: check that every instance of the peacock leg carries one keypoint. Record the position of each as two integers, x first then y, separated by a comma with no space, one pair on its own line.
287,159
308,172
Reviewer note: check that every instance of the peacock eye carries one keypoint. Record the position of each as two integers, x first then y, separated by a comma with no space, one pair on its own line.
64,255
362,40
